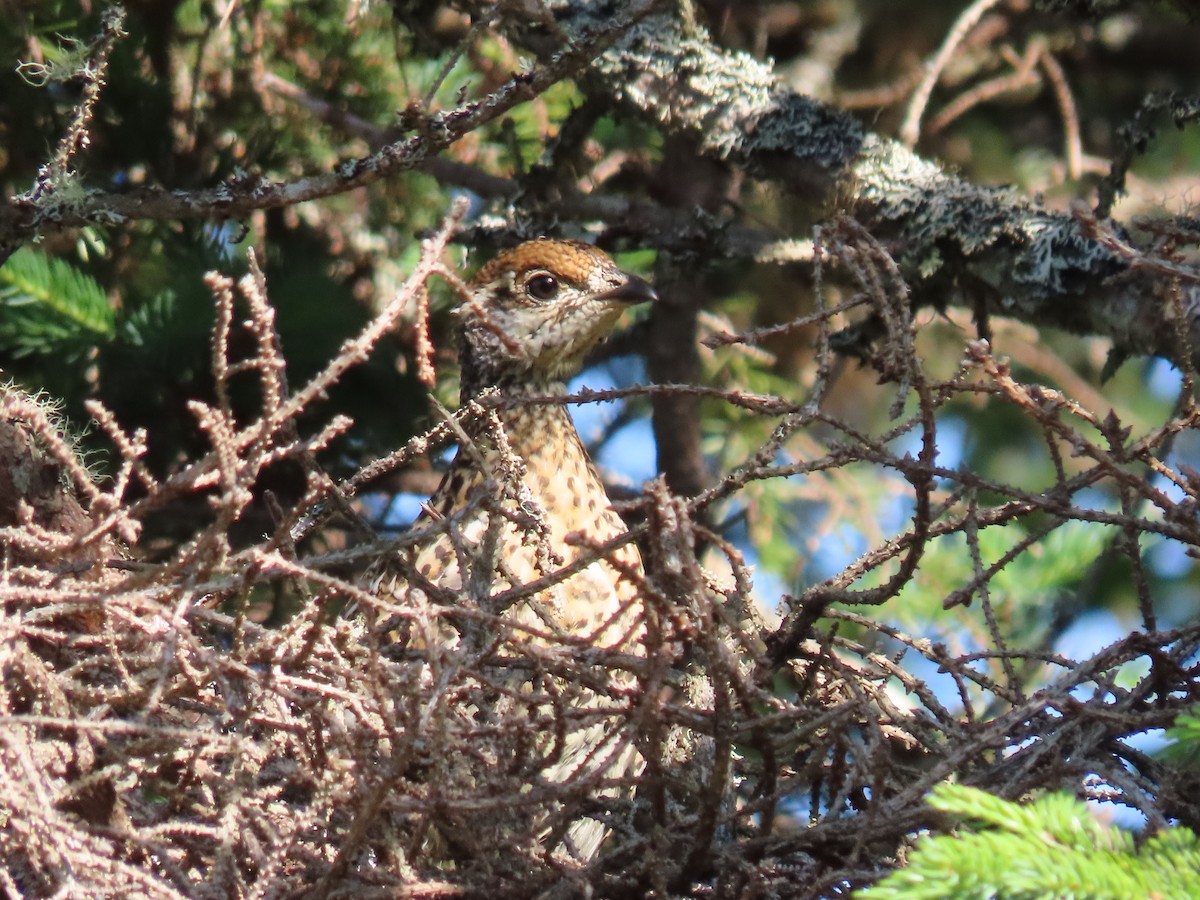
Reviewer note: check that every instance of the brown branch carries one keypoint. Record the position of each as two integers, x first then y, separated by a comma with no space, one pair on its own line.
25,218
1016,257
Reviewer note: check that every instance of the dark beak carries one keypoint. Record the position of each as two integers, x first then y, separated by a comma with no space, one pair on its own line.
632,290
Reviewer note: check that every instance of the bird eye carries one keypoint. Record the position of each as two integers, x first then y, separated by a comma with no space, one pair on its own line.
542,287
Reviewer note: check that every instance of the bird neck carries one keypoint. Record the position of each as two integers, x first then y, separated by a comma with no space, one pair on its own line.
533,426
480,371
539,433
515,386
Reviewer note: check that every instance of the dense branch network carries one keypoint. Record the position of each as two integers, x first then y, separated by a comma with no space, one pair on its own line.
351,736
302,755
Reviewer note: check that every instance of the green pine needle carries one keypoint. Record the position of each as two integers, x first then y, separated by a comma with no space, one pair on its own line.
48,305
1052,847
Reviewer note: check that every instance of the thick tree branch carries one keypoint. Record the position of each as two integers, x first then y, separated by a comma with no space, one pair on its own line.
954,240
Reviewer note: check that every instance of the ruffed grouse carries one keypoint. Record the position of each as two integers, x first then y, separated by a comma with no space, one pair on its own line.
522,501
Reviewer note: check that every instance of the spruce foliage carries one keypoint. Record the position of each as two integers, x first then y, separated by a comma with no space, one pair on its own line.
1050,847
50,306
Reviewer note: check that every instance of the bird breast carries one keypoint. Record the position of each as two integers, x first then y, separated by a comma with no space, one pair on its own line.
563,492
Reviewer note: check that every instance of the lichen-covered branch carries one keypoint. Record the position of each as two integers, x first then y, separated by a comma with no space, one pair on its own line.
1002,252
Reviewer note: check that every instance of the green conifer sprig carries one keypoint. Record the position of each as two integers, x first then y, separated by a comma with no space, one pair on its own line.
1052,847
50,306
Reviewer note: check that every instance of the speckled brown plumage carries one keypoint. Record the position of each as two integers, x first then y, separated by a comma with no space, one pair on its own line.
535,312
522,482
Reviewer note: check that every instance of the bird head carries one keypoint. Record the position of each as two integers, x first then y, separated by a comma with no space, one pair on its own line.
537,309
